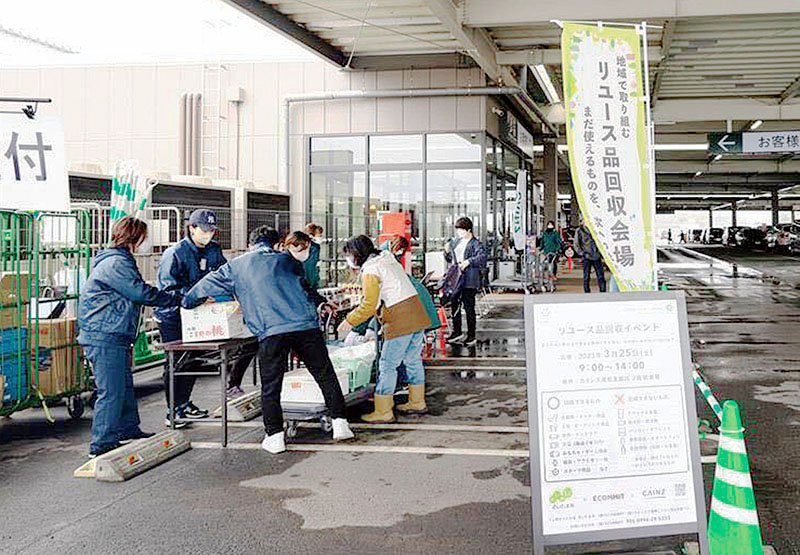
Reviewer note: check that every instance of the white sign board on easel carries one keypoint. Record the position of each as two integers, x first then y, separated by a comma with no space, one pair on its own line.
33,168
614,446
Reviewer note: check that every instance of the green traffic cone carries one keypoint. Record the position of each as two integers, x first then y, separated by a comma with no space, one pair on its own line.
733,523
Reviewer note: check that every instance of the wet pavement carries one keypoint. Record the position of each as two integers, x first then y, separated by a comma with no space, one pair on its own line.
468,492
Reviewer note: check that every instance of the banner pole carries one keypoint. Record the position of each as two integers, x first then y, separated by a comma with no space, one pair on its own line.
651,163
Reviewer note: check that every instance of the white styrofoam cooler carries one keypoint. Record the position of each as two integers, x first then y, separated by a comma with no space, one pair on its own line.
299,386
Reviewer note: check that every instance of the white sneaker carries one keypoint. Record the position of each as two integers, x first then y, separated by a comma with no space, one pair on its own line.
341,430
274,443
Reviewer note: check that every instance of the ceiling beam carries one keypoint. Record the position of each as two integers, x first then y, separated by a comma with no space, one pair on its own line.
666,43
515,13
264,13
413,61
547,56
478,44
790,91
475,41
721,109
738,179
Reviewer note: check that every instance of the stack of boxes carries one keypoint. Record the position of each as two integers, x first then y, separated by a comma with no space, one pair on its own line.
58,354
13,367
14,290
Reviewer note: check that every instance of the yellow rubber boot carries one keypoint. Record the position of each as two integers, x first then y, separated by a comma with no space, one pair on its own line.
383,410
416,400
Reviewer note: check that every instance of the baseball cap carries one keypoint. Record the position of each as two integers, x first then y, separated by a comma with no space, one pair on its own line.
204,219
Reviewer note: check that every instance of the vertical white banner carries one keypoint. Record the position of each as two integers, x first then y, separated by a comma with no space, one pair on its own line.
33,168
609,147
520,210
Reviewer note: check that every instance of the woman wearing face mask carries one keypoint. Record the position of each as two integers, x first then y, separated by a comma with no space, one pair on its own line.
183,265
469,254
551,245
310,266
108,319
282,311
389,294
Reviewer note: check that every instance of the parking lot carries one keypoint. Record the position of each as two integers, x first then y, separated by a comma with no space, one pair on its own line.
744,331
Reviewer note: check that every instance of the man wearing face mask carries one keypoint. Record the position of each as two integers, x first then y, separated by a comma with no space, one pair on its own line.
283,312
466,251
181,267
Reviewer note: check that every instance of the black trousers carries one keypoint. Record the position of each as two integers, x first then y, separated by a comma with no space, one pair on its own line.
273,358
170,331
465,298
588,264
236,375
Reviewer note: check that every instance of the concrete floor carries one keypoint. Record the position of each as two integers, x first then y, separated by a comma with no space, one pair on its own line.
745,331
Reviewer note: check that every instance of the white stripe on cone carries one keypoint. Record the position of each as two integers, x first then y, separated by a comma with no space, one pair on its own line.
734,514
733,477
733,445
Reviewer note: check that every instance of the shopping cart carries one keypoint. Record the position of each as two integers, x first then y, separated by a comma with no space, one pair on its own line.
295,412
546,265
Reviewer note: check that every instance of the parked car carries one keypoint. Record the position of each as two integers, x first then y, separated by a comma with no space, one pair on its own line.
713,236
729,235
784,237
696,236
751,238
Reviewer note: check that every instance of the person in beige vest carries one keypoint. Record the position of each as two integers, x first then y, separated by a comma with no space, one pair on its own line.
389,294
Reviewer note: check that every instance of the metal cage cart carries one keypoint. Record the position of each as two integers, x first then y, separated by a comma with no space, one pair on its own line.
45,260
361,382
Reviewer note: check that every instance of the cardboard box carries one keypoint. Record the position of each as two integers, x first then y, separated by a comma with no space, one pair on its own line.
10,318
9,289
58,332
299,386
213,322
59,356
13,378
59,370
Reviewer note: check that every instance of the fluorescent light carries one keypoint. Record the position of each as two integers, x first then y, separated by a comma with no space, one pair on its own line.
660,148
756,124
543,77
718,157
698,174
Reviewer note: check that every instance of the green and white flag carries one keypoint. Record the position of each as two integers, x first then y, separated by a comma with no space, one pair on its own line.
129,191
608,139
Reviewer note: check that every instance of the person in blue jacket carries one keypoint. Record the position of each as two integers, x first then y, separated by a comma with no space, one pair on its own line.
470,255
183,265
108,322
282,311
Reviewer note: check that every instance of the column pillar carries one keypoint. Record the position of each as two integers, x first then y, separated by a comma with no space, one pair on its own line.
710,218
733,214
550,181
776,207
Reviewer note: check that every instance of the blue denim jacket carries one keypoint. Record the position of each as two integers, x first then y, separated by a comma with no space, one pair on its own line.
270,286
181,267
476,254
109,305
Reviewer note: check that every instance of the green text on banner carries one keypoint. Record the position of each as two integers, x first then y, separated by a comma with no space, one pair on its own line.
608,147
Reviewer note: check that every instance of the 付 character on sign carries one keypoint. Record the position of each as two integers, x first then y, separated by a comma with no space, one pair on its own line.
13,154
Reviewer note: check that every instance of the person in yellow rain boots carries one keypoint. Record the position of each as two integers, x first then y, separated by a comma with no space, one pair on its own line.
388,293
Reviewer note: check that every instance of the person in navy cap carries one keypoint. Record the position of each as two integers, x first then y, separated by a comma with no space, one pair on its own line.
181,267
